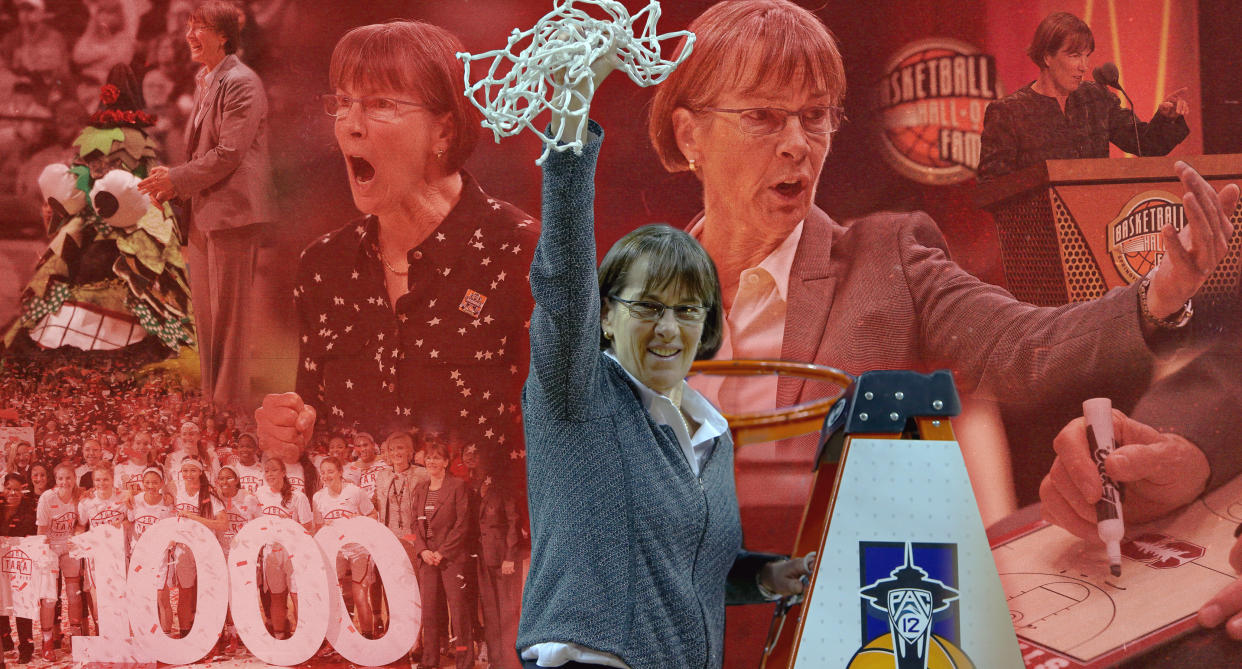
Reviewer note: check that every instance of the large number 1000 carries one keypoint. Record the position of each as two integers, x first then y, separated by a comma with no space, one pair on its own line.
129,629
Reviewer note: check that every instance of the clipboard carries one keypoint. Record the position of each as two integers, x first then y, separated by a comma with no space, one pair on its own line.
1070,613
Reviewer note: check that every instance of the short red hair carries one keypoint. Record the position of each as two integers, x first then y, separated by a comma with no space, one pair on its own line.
223,17
416,57
1059,30
746,46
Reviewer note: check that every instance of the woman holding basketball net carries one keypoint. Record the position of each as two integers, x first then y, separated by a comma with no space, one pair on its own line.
634,518
751,112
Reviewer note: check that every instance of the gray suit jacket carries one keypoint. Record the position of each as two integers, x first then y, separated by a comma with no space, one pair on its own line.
882,293
227,180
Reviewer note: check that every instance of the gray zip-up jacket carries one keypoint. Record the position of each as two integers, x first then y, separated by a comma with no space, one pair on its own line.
630,550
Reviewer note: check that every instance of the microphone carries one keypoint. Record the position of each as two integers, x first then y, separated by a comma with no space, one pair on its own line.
1107,75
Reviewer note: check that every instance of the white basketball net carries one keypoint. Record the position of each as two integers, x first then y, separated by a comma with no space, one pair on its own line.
564,44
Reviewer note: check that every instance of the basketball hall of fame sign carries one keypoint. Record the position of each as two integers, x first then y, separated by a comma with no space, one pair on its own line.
1134,240
932,100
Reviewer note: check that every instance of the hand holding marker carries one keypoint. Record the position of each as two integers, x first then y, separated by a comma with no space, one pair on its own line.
1098,413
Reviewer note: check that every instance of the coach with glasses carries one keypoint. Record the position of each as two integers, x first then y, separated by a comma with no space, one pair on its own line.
415,314
751,113
635,531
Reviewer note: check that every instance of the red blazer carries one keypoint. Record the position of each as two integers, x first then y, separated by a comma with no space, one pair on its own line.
881,292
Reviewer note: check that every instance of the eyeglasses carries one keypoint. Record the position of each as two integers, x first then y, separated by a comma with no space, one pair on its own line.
650,310
375,107
817,120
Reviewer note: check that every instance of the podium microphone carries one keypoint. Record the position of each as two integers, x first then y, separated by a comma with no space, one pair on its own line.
1107,75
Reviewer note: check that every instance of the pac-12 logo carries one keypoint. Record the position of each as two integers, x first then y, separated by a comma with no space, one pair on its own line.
932,100
1134,240
909,606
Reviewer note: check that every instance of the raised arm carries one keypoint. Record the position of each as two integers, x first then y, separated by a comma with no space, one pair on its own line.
565,327
1155,138
285,422
1009,349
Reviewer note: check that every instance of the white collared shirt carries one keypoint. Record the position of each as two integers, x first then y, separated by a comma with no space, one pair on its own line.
754,328
695,447
203,80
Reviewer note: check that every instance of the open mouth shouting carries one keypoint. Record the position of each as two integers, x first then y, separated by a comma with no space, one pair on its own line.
370,178
361,170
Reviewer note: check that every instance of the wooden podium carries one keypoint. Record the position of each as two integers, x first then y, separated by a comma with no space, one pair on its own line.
1072,229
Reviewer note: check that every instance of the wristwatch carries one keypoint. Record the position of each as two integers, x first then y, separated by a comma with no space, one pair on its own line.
1174,321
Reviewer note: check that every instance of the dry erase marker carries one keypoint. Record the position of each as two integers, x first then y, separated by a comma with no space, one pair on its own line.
1109,522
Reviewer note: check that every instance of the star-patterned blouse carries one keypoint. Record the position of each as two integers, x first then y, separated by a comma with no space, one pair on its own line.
450,360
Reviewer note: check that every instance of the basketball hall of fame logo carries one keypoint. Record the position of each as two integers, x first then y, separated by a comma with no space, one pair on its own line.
932,100
910,607
1134,240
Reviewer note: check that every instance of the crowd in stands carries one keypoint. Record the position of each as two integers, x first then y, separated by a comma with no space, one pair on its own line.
99,412
131,413
55,55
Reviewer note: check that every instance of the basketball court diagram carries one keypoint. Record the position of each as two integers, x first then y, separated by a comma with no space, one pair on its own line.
1057,604
1225,502
1062,597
